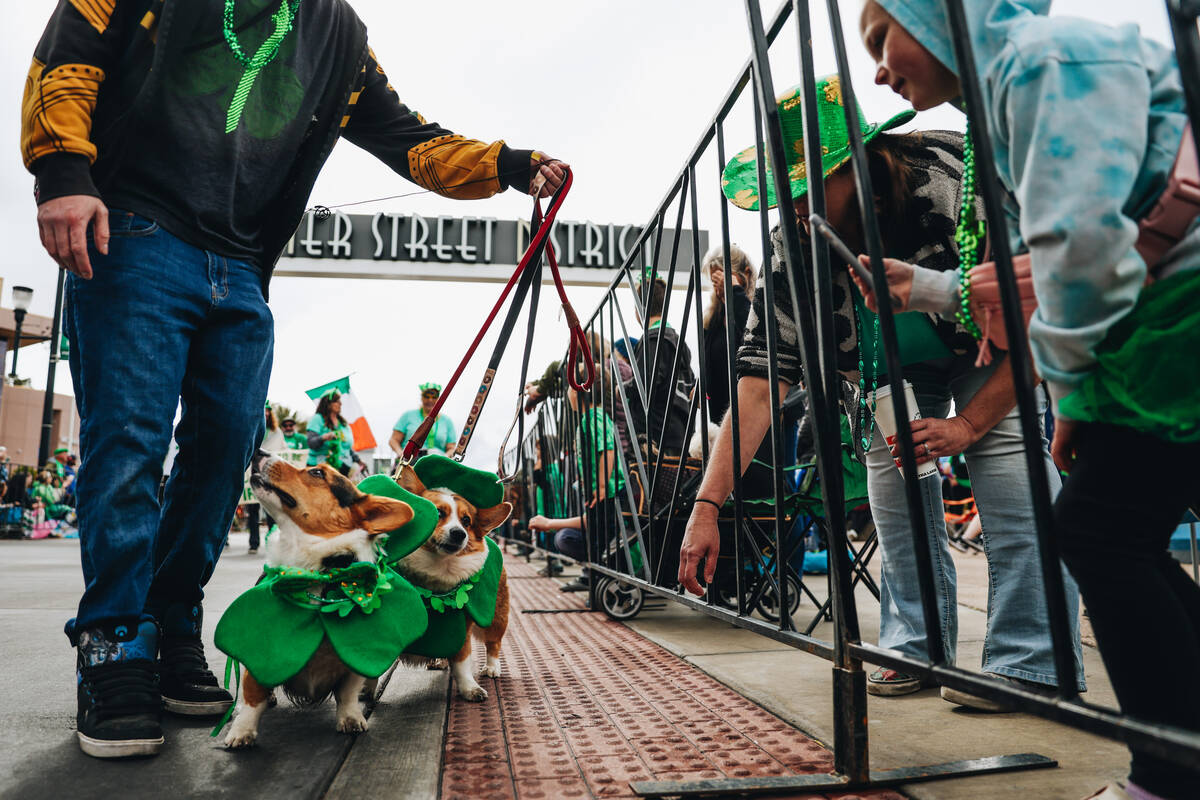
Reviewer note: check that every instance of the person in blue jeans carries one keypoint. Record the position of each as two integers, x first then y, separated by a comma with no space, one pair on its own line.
1016,644
917,179
174,146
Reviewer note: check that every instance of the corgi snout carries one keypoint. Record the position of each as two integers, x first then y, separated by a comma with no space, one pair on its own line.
453,539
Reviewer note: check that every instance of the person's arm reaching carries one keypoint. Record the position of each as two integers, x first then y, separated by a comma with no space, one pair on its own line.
396,442
435,158
702,541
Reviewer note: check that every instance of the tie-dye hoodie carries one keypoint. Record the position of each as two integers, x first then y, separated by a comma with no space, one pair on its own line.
1085,121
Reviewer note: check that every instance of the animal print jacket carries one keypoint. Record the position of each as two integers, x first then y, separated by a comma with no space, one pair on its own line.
925,237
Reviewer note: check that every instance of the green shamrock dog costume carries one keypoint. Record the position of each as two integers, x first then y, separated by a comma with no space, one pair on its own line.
369,612
476,596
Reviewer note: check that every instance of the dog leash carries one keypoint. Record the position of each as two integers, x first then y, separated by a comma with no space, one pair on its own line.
523,275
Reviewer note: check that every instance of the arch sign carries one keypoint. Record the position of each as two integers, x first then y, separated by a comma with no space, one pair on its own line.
399,246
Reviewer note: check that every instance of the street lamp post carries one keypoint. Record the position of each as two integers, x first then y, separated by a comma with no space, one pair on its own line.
22,296
48,403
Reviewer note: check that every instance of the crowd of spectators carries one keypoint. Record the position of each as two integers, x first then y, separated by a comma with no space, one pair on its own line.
38,503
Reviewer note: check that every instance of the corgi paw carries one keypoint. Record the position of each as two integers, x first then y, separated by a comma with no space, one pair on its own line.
492,670
438,663
474,693
352,722
237,739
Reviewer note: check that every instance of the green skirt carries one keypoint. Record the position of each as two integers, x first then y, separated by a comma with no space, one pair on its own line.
1147,374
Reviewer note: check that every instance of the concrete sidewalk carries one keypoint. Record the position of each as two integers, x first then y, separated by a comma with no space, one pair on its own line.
299,755
905,731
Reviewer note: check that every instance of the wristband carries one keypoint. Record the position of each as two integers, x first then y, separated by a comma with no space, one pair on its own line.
712,503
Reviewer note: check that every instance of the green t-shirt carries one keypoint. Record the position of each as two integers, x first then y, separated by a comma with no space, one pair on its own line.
597,436
337,451
548,500
441,435
919,341
296,441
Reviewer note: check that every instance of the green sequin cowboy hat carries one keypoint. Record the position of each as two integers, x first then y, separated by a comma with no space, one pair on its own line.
739,181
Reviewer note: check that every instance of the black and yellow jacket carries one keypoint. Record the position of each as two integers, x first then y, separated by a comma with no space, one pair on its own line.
97,72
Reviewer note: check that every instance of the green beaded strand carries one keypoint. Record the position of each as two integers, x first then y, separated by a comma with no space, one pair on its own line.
283,18
866,419
968,236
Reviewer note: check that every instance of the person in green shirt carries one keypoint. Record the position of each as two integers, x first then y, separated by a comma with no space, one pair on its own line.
596,438
329,436
50,496
293,439
441,436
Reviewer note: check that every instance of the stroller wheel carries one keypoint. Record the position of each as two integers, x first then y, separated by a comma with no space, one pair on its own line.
620,600
768,604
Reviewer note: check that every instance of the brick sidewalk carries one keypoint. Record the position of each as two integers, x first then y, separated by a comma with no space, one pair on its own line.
584,706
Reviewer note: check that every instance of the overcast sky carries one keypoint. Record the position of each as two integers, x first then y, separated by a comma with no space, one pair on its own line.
622,89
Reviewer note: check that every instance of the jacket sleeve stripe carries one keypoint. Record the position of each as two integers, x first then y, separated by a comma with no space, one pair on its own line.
98,13
452,166
56,113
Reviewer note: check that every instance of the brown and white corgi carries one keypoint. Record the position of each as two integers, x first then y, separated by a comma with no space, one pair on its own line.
454,552
325,523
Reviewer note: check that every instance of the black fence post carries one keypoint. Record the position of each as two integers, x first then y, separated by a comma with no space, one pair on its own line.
1018,338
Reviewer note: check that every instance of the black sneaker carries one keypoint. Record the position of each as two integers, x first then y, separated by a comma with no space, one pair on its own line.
576,585
188,685
119,702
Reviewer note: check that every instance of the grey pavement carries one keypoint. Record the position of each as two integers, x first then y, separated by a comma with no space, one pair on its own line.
904,731
299,754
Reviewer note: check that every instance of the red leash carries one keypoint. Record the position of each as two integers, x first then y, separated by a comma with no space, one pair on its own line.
579,345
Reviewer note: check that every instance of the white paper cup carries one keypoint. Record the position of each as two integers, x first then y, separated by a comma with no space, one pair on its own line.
885,418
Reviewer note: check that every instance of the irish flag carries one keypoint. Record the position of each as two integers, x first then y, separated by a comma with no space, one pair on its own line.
351,410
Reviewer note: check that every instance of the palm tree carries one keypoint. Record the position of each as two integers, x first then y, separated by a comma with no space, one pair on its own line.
282,412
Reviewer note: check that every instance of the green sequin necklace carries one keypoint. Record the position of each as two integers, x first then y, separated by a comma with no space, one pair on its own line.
968,236
283,18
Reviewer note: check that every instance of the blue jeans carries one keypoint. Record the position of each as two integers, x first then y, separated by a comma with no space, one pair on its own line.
159,323
1017,642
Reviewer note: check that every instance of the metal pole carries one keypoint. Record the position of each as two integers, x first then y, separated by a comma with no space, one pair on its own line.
1182,16
48,403
921,535
1014,323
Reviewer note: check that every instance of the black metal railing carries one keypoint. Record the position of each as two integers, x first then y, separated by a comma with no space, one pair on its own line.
635,534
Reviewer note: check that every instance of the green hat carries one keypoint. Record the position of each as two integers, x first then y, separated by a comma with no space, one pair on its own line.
61,450
430,387
411,535
739,181
481,488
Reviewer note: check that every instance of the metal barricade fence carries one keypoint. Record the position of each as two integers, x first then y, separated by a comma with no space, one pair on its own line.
635,526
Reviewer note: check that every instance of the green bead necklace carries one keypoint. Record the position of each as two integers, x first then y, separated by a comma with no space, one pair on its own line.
283,18
866,419
968,236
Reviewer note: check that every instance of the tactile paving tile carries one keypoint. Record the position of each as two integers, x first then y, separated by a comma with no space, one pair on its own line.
478,779
584,705
551,789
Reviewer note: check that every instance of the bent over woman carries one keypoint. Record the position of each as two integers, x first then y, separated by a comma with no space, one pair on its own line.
917,179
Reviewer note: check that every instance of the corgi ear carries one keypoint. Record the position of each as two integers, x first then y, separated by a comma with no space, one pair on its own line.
383,514
491,518
408,480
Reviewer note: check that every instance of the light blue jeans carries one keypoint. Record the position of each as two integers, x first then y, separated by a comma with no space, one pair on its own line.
1017,643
